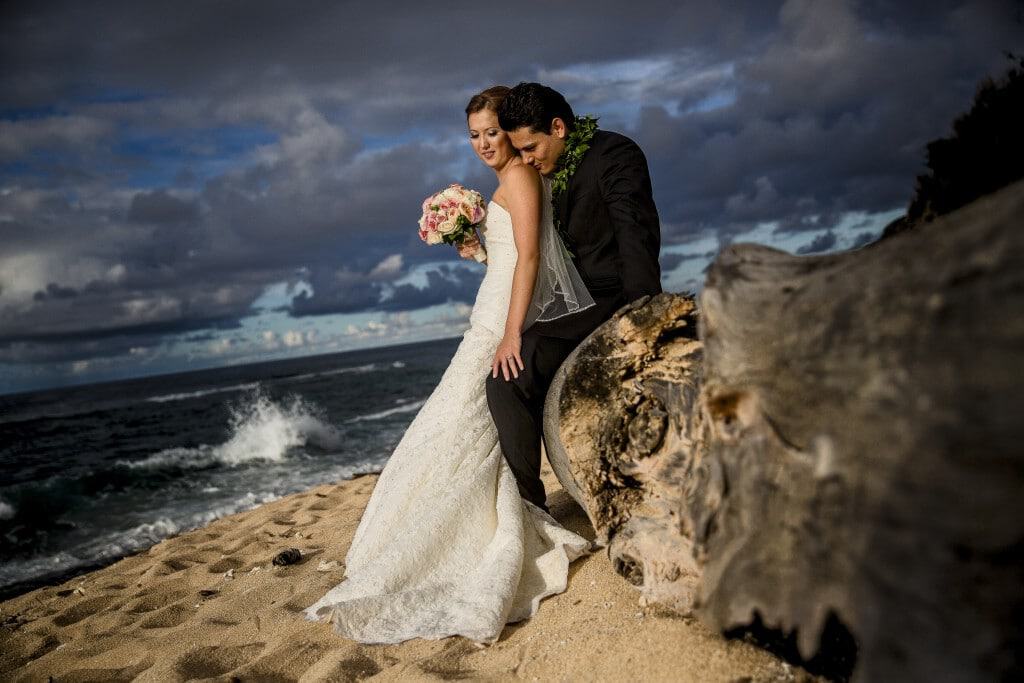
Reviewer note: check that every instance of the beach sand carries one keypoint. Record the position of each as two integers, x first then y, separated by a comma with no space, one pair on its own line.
208,604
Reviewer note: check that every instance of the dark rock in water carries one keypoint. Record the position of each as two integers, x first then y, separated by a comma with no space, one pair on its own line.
837,457
288,556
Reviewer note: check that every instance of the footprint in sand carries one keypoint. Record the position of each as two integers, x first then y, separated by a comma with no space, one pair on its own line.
350,662
300,601
448,665
358,666
306,519
111,623
287,662
83,609
279,527
122,675
136,562
172,615
234,549
206,662
25,647
148,601
175,564
224,565
161,569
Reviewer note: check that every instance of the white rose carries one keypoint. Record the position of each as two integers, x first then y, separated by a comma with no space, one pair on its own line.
448,226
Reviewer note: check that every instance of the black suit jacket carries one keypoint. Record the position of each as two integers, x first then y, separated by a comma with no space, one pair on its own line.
611,225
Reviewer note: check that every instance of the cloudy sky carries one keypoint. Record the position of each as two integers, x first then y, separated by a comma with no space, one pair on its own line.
205,183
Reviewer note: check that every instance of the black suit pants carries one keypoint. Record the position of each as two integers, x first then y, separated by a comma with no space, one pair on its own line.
517,406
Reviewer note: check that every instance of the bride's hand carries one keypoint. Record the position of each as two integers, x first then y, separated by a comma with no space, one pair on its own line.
469,247
507,357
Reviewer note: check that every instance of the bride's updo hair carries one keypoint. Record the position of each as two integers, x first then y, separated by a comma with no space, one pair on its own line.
487,99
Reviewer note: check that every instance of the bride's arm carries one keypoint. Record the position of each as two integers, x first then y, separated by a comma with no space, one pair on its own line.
522,189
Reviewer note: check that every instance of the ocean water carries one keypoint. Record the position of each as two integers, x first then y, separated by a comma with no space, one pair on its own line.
90,474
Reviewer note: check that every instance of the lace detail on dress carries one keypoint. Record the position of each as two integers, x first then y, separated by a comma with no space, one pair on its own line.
446,546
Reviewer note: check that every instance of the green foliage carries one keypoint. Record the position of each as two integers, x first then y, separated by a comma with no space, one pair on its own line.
463,230
984,154
576,146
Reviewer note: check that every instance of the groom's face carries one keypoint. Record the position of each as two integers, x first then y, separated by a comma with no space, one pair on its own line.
540,149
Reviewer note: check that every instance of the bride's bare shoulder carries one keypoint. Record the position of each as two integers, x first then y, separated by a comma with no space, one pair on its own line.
517,182
521,174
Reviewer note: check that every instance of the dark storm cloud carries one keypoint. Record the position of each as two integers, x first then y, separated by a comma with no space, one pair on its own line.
671,260
345,292
61,315
161,207
830,115
863,239
170,171
349,295
822,242
58,346
389,53
445,285
55,291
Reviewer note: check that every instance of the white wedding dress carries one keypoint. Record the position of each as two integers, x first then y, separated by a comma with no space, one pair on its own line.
446,545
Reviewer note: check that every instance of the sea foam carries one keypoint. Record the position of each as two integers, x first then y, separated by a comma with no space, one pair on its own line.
352,369
265,430
404,408
201,392
261,430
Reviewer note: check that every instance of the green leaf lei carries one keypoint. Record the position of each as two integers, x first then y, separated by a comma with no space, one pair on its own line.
576,145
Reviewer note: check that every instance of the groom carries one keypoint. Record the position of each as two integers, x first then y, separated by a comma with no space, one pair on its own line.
607,219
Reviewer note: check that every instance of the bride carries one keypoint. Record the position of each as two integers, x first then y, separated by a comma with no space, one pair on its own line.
446,546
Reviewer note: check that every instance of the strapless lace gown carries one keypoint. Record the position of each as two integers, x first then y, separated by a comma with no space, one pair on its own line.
446,546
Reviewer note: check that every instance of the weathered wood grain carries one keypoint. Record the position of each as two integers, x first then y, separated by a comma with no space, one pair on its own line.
615,421
844,438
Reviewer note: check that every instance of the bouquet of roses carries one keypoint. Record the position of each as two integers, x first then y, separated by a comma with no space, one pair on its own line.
451,215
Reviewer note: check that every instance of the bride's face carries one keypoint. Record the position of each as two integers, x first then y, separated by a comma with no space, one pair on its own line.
489,141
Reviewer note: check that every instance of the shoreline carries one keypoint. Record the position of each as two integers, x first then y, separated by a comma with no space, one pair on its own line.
19,588
209,603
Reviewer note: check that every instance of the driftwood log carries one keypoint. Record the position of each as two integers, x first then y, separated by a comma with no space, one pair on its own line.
841,446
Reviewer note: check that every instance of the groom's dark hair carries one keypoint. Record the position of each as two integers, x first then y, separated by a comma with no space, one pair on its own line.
534,105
